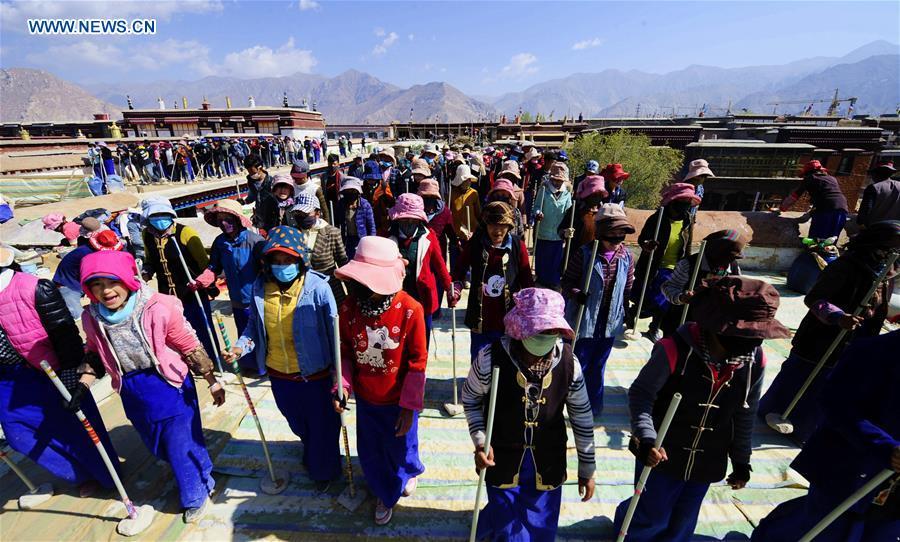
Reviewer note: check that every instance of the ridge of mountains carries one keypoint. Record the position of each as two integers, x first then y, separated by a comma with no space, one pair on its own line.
871,73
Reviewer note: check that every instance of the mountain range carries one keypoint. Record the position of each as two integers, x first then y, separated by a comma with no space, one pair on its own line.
870,73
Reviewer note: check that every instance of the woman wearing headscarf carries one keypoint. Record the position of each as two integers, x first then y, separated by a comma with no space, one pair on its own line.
420,248
383,354
526,466
142,339
612,275
291,334
836,294
35,325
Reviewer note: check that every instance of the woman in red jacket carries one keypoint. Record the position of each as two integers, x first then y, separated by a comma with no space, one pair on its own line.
419,246
383,355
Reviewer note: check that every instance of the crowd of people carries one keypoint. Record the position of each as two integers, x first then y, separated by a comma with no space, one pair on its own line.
375,250
205,157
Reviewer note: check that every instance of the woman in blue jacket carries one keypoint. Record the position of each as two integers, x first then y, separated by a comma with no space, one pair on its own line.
354,215
291,331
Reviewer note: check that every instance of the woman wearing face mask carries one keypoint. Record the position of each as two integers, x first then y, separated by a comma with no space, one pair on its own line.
383,355
612,275
551,209
440,221
723,250
327,251
527,456
419,246
465,206
290,334
355,216
165,243
716,364
836,294
36,326
235,252
143,341
672,244
499,267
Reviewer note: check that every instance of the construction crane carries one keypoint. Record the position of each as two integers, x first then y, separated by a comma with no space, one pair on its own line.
833,104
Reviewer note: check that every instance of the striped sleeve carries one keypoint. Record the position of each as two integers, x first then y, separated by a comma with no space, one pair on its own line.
475,392
582,421
674,287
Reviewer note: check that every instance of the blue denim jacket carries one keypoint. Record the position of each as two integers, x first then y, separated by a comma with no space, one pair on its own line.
313,326
616,318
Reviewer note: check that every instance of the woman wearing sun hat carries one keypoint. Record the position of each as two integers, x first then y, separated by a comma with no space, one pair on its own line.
384,354
614,175
236,252
353,214
716,364
290,334
588,199
421,249
552,203
528,446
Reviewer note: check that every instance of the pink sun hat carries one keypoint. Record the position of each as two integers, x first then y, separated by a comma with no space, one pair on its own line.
680,191
377,265
408,205
537,310
590,185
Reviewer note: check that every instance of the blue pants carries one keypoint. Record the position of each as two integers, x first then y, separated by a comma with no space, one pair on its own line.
522,513
37,426
308,409
667,510
478,341
428,326
241,318
593,355
808,413
387,461
168,420
790,520
825,224
548,257
199,320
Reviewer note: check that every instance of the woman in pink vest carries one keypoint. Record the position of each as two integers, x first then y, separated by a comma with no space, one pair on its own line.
147,346
35,325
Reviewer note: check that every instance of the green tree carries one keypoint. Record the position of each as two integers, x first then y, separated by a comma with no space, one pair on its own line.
526,117
650,167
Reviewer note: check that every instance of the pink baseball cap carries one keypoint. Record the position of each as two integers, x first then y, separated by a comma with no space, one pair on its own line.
377,265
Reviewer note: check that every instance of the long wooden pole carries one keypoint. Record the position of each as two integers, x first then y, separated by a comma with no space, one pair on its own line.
492,407
693,282
587,286
640,305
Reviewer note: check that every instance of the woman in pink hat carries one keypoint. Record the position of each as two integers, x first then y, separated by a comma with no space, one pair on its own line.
588,199
526,466
383,354
420,248
671,245
440,221
504,190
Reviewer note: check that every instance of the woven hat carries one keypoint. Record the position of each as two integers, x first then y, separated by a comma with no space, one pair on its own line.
408,206
227,206
497,212
429,188
739,307
377,265
537,310
697,168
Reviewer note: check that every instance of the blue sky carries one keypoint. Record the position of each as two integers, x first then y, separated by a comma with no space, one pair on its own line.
483,48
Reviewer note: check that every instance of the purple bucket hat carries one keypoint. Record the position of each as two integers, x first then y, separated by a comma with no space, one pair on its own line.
537,310
409,205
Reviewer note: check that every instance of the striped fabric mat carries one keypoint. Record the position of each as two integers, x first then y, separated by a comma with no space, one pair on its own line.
442,507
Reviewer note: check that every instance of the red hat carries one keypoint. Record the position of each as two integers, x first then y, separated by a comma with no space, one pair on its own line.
615,172
105,240
812,165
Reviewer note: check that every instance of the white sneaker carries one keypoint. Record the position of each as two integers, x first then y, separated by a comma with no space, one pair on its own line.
410,488
383,514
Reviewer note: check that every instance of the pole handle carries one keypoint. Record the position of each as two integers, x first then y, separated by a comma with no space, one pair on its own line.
693,282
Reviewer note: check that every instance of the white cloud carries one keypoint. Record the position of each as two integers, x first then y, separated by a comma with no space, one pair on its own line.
587,44
426,67
14,14
165,54
379,32
79,53
308,4
388,40
520,65
411,37
262,61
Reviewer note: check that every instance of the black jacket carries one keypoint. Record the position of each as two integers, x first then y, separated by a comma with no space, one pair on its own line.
58,322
